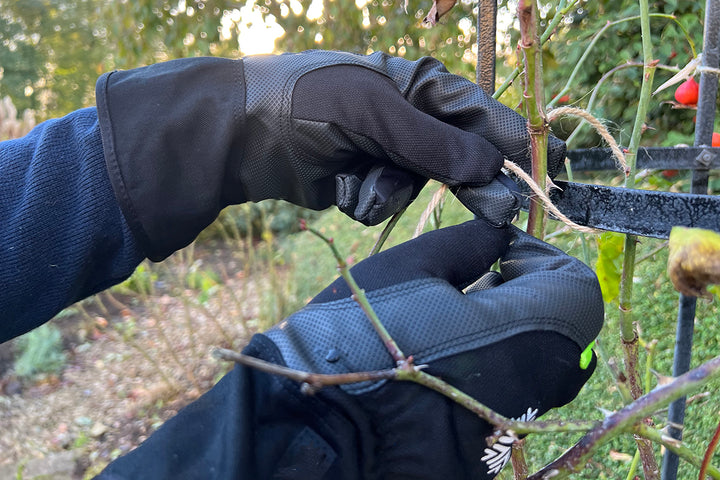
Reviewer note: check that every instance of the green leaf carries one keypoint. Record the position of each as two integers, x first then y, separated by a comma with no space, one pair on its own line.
608,266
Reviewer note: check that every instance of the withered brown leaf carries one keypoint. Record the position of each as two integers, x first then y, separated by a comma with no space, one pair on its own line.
438,9
694,260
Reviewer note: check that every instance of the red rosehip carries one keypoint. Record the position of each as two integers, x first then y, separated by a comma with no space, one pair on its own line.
687,92
716,139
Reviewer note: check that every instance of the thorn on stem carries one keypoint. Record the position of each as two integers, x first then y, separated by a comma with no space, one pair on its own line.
408,364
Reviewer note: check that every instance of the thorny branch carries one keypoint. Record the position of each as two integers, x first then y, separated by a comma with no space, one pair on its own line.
534,107
627,420
311,381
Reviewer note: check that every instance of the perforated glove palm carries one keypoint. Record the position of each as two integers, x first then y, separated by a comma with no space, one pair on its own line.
185,138
513,342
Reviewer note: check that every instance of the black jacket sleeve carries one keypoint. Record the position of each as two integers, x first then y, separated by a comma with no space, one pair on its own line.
63,235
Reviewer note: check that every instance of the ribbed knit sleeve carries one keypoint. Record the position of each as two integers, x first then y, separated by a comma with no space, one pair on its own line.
62,235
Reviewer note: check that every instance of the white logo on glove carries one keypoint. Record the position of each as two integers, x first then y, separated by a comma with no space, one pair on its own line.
498,455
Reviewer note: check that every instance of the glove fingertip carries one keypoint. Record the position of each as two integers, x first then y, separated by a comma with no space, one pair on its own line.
498,202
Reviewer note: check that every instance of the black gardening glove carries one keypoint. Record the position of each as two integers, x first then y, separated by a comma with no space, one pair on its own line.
513,342
185,138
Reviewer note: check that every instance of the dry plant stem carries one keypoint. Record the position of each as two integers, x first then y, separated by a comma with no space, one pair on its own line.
709,453
235,299
533,99
190,332
359,296
98,301
675,446
436,200
127,338
517,457
172,384
186,311
209,315
145,294
386,232
314,381
171,348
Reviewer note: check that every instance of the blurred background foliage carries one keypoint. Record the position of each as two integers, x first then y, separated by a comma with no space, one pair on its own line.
52,51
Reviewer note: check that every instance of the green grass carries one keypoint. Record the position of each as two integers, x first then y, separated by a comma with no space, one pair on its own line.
655,310
315,266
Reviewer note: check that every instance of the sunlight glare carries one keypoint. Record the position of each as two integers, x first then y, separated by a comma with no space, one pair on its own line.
256,34
296,7
315,10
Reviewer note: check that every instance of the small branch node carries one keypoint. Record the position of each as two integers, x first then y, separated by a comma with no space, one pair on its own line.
307,389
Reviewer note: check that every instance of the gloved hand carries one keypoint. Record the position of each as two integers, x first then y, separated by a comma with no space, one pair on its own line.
183,139
513,342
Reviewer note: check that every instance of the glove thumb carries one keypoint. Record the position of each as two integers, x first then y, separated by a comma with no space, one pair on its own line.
383,192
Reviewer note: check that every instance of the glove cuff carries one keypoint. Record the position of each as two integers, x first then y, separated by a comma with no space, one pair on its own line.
169,132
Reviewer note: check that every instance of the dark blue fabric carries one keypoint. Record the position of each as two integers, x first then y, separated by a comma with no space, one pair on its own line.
62,235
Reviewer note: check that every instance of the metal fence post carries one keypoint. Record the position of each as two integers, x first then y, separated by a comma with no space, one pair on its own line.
485,31
703,137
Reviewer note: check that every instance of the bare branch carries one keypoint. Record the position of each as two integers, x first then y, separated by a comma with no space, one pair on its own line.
624,420
314,381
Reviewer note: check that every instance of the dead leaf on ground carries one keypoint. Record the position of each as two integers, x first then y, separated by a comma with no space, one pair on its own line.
694,260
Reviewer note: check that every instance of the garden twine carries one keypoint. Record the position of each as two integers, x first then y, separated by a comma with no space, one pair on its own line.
518,171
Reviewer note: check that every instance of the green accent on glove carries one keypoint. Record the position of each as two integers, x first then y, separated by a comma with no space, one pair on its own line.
586,356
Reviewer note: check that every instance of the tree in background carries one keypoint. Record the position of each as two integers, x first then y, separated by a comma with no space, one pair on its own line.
51,51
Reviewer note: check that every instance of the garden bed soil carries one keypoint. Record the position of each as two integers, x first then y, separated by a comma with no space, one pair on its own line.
110,397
